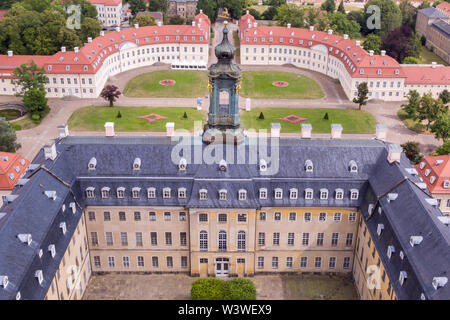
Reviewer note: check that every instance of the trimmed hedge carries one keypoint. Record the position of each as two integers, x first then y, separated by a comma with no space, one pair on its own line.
239,289
207,289
217,289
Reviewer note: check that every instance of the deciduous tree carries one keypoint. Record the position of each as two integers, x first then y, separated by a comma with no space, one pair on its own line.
373,42
441,127
110,93
145,20
445,96
413,103
30,76
8,137
362,97
137,6
412,151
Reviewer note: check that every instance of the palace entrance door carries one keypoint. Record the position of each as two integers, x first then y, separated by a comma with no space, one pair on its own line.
222,267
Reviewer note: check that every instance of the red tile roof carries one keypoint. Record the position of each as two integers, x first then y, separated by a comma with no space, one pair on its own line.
12,168
439,167
444,7
2,14
90,57
426,74
106,2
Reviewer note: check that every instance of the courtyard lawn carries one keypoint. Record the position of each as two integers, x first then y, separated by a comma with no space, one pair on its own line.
10,114
352,121
93,118
318,287
258,85
189,84
427,56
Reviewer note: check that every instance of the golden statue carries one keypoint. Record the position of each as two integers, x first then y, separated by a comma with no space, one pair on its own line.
225,12
210,87
238,88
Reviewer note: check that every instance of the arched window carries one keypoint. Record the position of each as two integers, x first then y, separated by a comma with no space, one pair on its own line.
203,240
222,241
241,244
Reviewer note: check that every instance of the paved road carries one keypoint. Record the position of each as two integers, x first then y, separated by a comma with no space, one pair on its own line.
384,112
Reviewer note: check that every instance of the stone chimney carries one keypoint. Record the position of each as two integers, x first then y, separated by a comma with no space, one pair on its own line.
383,53
63,49
117,29
50,150
159,23
10,53
247,12
170,129
311,28
89,39
371,53
76,49
193,23
63,130
394,153
102,33
336,131
433,65
330,31
255,24
357,43
109,129
136,25
306,130
201,10
275,130
289,25
345,36
381,132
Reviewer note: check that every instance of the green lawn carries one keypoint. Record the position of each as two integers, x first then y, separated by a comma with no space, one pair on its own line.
318,287
427,56
10,114
413,125
93,118
352,121
189,84
258,84
260,9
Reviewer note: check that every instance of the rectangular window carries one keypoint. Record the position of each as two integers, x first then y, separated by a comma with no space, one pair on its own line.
182,216
303,262
334,239
137,216
152,216
289,262
106,216
223,217
337,216
126,262
292,216
169,262
305,239
139,239
167,216
97,263
322,216
94,238
122,216
124,238
275,262
349,240
307,216
262,216
260,262
111,262
140,261
154,238
242,217
261,239
183,239
346,263
91,215
291,236
168,238
318,262
276,238
184,261
155,262
203,217
109,238
352,217
320,239
332,263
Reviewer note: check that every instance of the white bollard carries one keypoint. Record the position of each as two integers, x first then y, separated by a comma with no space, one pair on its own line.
248,103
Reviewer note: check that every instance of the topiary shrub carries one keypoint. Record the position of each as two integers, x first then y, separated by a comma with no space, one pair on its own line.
185,115
261,116
35,116
326,116
239,289
207,289
119,115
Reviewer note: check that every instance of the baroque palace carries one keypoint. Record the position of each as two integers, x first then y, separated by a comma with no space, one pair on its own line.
205,206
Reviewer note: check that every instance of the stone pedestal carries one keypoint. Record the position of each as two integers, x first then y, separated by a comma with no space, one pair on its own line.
228,136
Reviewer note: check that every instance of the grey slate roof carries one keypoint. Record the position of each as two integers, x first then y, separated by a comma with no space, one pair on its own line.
33,212
432,12
442,26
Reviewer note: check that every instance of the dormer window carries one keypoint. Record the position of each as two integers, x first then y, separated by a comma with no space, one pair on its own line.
390,251
151,193
415,240
105,192
432,179
446,184
263,193
380,228
52,250
136,192
323,194
293,194
182,193
73,207
4,281
223,194
309,166
63,227
422,165
121,192
39,275
439,282
137,164
223,165
403,277
166,193
354,194
242,194
90,192
339,194
352,166
203,194
92,164
278,193
427,172
262,165
182,165
309,194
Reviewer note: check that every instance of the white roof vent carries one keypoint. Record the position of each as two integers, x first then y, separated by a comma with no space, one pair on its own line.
411,171
445,220
223,165
439,282
392,196
309,166
63,227
422,185
403,277
25,238
39,275
432,202
390,251
183,164
415,240
262,165
50,194
137,164
92,164
438,162
4,281
73,207
352,166
52,250
380,228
